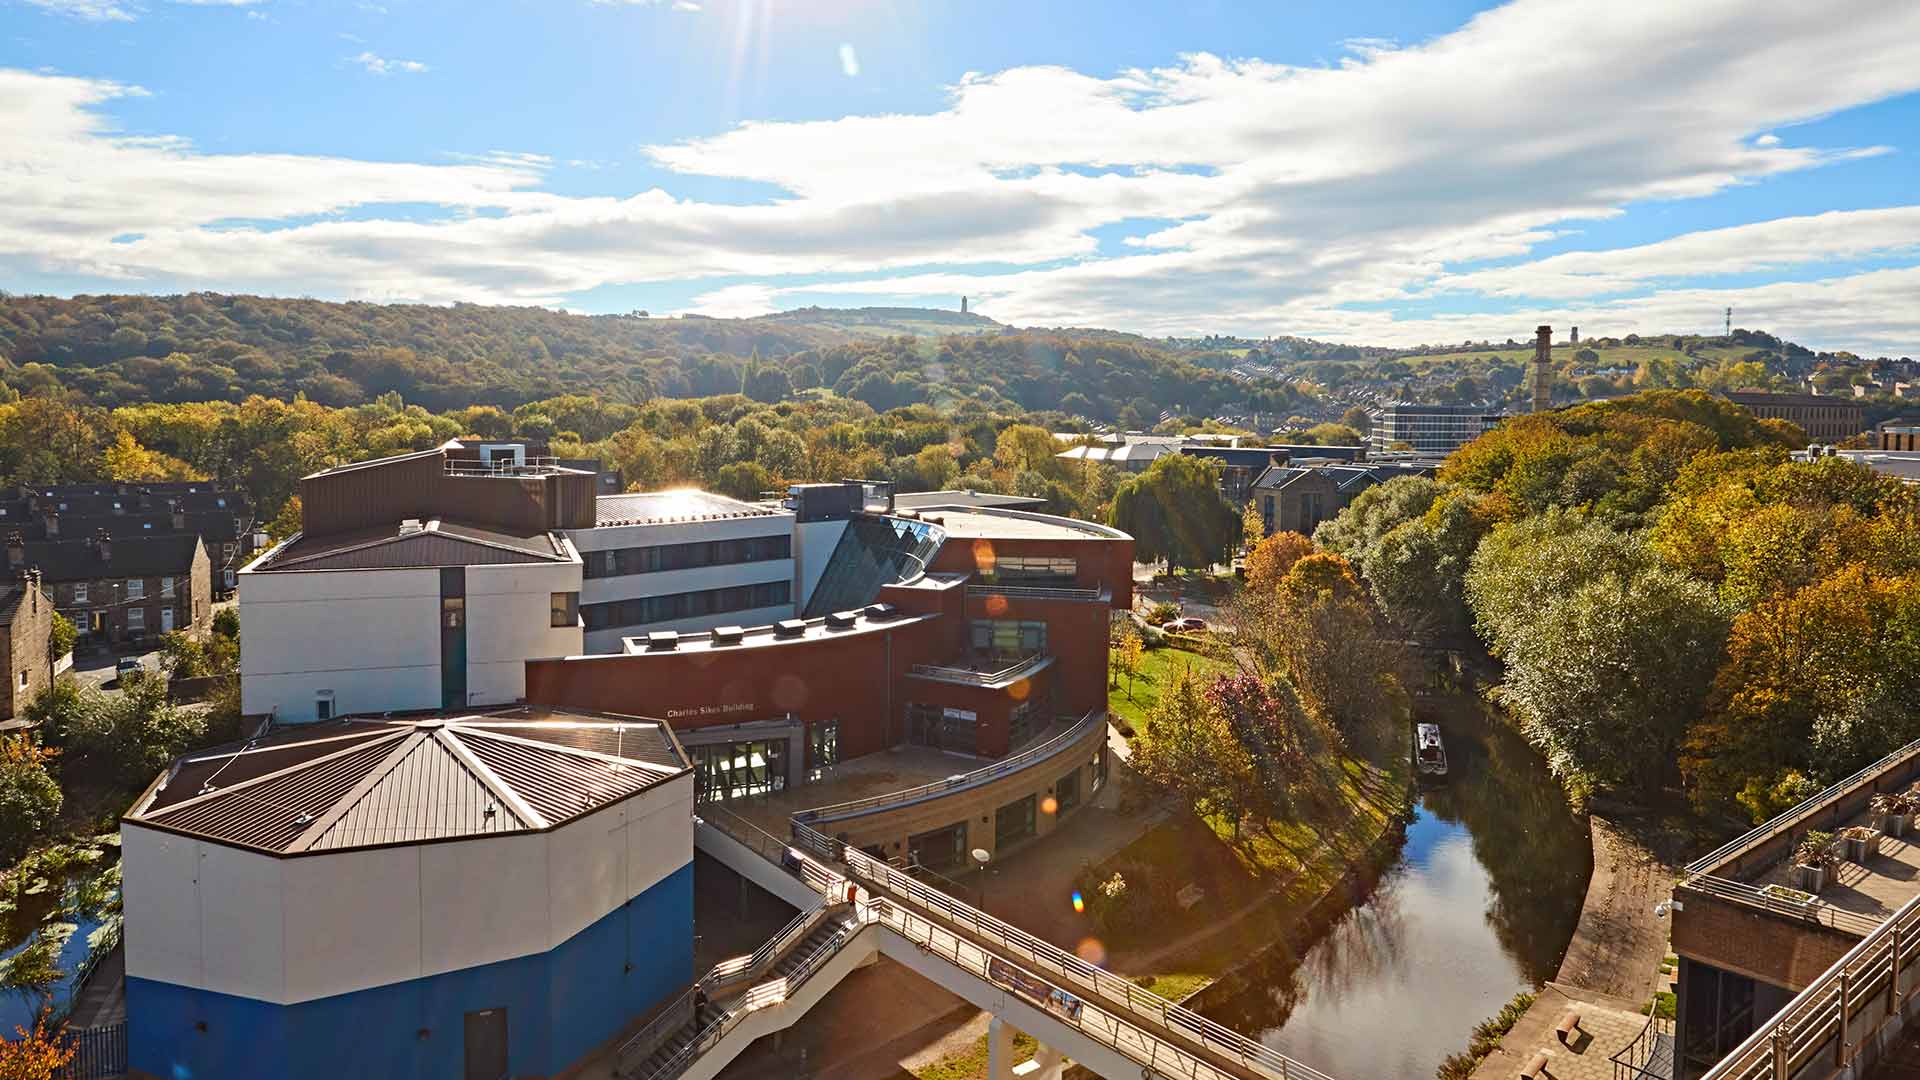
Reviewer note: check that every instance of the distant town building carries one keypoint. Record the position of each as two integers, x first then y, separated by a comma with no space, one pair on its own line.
1431,429
1898,435
223,518
1902,465
122,589
1821,417
1298,497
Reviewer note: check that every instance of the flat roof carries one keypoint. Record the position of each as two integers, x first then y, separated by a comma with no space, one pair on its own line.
915,500
873,617
360,783
683,504
987,523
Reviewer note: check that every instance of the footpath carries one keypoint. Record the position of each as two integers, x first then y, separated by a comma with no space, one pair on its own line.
1611,969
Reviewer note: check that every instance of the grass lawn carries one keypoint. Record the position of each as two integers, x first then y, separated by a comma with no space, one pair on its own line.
1174,987
1157,670
971,1064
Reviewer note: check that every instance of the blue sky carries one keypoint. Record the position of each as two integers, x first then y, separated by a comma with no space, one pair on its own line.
1375,172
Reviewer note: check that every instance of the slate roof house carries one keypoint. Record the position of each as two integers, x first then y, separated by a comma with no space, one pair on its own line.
122,589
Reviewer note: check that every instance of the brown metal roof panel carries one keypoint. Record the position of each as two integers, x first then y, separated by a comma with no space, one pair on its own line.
427,795
635,740
236,763
559,785
271,813
413,551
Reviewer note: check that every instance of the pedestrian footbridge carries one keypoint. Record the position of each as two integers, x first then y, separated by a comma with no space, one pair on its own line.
854,908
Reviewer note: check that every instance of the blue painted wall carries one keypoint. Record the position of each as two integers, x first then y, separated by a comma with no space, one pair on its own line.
560,1005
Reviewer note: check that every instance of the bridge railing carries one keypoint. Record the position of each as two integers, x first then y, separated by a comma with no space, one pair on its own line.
1822,1031
1005,766
1092,982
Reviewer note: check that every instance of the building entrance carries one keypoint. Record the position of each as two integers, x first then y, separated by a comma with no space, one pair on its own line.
731,770
940,849
943,729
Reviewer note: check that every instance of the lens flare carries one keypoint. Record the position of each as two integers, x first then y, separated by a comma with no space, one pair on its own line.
1079,902
1092,951
1050,805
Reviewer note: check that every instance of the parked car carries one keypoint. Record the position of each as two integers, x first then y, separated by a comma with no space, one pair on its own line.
1188,625
127,667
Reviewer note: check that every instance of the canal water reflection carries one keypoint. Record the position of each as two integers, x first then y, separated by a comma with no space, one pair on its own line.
1479,904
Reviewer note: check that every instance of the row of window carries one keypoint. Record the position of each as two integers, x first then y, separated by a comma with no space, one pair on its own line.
1032,570
615,562
687,605
135,589
1009,637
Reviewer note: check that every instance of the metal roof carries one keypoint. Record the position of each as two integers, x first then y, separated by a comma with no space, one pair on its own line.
428,544
367,783
660,507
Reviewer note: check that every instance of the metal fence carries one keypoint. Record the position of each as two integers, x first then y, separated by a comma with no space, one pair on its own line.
1793,818
1023,666
1823,1030
98,1052
1813,911
1037,592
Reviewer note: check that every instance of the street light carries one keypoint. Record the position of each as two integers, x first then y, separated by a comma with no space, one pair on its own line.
983,857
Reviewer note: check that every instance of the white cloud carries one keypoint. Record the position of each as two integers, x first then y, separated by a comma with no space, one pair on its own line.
1265,198
90,10
849,60
380,65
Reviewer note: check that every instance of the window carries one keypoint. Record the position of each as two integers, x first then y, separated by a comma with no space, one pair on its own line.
1099,766
23,678
1013,822
673,607
616,562
823,747
564,608
1066,791
136,619
1009,637
1032,570
226,551
79,592
166,588
136,588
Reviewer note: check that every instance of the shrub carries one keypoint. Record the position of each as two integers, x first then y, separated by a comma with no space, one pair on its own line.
226,622
1162,613
39,1054
1815,849
29,798
61,641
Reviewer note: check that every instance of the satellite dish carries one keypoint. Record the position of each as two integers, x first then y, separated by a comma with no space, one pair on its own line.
982,855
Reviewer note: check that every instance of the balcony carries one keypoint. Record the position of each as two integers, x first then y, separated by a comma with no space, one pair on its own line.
990,672
1041,592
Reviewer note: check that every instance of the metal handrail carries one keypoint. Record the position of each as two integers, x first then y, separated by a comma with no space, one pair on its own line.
1630,1060
1036,592
1785,822
1004,766
1821,1018
742,966
1211,1036
1022,666
1813,911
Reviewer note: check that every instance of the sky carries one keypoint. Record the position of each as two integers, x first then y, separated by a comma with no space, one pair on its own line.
1389,173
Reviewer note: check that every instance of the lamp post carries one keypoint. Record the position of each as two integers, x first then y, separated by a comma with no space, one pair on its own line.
983,857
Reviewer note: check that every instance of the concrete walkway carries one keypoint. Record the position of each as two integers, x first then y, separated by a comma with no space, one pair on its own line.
1607,1025
1619,944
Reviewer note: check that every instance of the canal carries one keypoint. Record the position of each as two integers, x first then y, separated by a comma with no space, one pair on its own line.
1478,904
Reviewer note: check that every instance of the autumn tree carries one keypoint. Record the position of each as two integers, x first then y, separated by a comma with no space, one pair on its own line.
1317,631
29,797
1270,559
39,1053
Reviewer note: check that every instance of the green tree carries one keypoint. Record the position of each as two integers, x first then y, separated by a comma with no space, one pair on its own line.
61,639
29,797
1174,511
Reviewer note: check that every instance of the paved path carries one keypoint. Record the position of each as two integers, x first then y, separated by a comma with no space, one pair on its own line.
1619,944
1607,1024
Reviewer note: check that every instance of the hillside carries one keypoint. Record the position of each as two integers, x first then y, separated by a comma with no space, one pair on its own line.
121,350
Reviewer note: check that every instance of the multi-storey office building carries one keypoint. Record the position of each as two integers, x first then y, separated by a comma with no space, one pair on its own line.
1434,429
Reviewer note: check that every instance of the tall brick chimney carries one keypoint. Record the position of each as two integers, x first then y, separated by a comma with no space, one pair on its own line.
1543,369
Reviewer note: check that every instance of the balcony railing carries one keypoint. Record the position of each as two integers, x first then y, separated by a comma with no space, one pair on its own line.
1810,911
1036,592
1024,666
1822,1031
1005,766
1799,815
533,466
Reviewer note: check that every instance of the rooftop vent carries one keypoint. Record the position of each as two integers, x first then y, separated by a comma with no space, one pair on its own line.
409,526
787,628
881,611
842,619
663,641
728,635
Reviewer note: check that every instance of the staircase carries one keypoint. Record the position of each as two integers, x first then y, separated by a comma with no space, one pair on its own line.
667,1060
824,938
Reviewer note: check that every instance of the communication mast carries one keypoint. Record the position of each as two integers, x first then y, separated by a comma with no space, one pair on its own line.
1729,330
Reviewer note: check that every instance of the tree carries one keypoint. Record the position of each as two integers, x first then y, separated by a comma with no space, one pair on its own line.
1188,748
1271,558
1127,654
29,797
1174,511
742,480
41,1053
121,739
61,639
1608,651
1316,630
